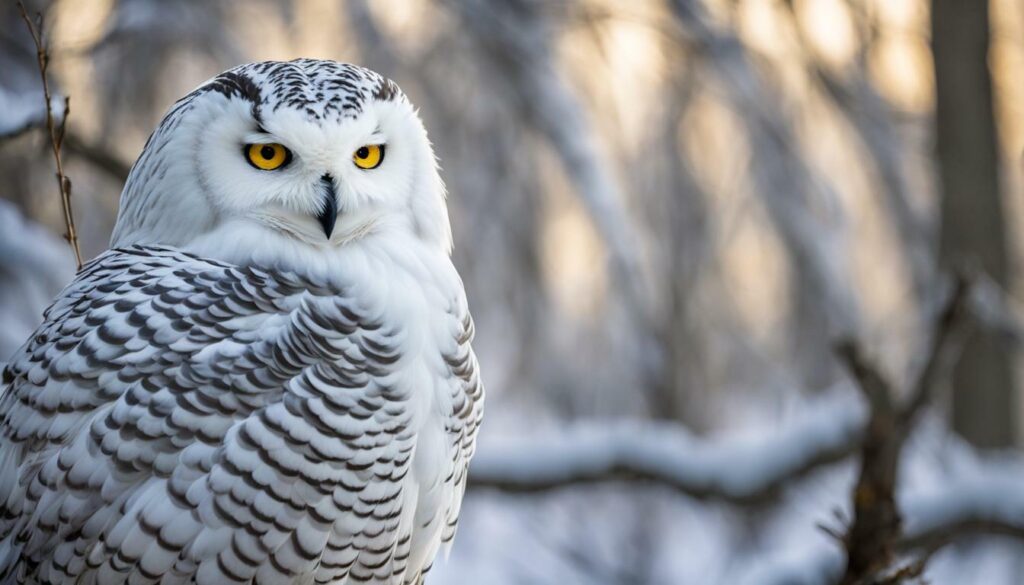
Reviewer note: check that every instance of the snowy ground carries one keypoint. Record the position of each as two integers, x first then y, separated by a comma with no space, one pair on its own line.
642,533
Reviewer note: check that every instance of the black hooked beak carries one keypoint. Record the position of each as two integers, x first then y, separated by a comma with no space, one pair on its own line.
329,206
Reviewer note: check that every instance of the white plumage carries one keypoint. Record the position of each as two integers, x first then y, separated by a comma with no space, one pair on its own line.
268,379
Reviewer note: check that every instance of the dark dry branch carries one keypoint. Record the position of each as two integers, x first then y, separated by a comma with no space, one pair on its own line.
870,538
874,536
55,131
947,341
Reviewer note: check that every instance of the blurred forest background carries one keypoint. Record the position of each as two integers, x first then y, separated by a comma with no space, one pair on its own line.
666,212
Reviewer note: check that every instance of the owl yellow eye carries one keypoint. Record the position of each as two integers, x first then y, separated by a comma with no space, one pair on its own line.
267,157
369,156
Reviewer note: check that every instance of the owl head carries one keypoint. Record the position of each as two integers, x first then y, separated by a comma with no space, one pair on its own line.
285,159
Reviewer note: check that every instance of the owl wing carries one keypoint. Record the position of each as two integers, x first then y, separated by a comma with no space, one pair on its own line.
442,459
467,399
176,418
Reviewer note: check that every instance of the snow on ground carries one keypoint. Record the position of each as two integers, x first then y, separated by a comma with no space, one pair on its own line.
602,533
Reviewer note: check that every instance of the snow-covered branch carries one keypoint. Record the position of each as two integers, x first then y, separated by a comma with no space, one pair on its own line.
736,470
990,503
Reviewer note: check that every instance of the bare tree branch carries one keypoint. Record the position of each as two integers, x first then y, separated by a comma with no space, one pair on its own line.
55,131
870,538
947,341
983,502
873,536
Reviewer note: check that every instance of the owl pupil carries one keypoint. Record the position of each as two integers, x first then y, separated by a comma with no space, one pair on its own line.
363,152
267,152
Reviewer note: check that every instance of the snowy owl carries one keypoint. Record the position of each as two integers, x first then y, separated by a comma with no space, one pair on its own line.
268,378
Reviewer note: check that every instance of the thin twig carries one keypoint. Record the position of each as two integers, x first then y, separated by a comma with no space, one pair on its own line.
947,341
870,381
56,132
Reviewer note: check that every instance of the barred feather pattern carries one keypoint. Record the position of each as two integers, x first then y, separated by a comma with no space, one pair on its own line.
182,420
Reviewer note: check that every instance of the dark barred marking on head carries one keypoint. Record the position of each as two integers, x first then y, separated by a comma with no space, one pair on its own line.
322,90
386,90
237,84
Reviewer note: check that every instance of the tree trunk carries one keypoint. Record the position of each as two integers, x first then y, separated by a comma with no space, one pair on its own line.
972,227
